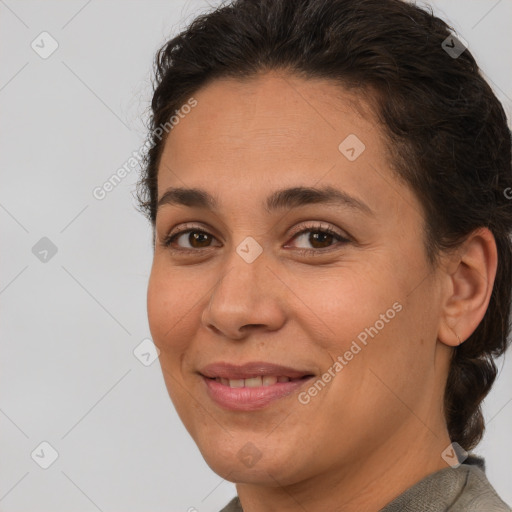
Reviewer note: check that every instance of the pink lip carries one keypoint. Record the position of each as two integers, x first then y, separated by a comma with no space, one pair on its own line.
250,399
251,369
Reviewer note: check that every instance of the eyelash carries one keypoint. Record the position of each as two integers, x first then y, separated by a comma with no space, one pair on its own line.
316,228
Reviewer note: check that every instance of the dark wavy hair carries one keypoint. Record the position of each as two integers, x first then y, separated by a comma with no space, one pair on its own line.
448,132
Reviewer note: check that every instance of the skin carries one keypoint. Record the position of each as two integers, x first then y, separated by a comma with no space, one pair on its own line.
378,426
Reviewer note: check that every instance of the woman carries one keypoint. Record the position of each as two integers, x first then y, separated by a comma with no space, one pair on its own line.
326,182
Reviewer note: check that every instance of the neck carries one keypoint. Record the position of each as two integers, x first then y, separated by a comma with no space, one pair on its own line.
370,483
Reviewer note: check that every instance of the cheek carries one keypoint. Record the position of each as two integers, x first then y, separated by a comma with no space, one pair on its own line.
171,323
348,301
370,320
170,305
385,338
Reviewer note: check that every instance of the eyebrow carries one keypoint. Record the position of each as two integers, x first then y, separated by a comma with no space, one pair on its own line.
287,198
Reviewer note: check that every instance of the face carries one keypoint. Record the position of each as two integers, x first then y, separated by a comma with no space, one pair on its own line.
337,289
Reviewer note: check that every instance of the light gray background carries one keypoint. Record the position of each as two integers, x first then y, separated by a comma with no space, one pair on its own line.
68,375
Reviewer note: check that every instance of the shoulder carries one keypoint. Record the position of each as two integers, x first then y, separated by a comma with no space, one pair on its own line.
464,488
478,494
233,506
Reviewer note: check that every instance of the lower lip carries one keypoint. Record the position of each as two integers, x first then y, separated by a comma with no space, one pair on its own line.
250,399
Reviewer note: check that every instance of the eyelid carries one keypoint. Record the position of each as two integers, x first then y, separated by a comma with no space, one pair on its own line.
322,226
187,227
319,226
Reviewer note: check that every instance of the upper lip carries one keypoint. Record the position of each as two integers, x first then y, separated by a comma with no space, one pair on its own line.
250,369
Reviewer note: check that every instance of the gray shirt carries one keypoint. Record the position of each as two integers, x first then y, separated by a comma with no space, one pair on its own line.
461,489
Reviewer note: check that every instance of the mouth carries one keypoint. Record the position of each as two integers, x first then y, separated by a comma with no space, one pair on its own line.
253,370
257,380
240,390
251,386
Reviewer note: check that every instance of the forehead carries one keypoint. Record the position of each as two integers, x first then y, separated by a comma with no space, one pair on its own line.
276,107
277,130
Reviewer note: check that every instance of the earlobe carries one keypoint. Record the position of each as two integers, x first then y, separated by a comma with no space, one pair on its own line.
469,281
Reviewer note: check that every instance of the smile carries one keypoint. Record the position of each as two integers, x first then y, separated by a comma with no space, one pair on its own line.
252,393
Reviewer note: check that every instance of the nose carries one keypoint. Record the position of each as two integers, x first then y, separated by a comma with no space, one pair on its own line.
246,297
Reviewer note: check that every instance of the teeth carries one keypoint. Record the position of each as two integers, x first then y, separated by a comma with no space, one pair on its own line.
253,382
269,380
236,383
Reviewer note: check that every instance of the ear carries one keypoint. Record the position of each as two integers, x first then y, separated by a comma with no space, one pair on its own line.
469,278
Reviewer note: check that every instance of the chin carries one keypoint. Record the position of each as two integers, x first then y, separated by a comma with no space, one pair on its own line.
249,465
244,475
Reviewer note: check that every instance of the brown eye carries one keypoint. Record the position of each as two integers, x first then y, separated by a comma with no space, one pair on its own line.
196,239
318,238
